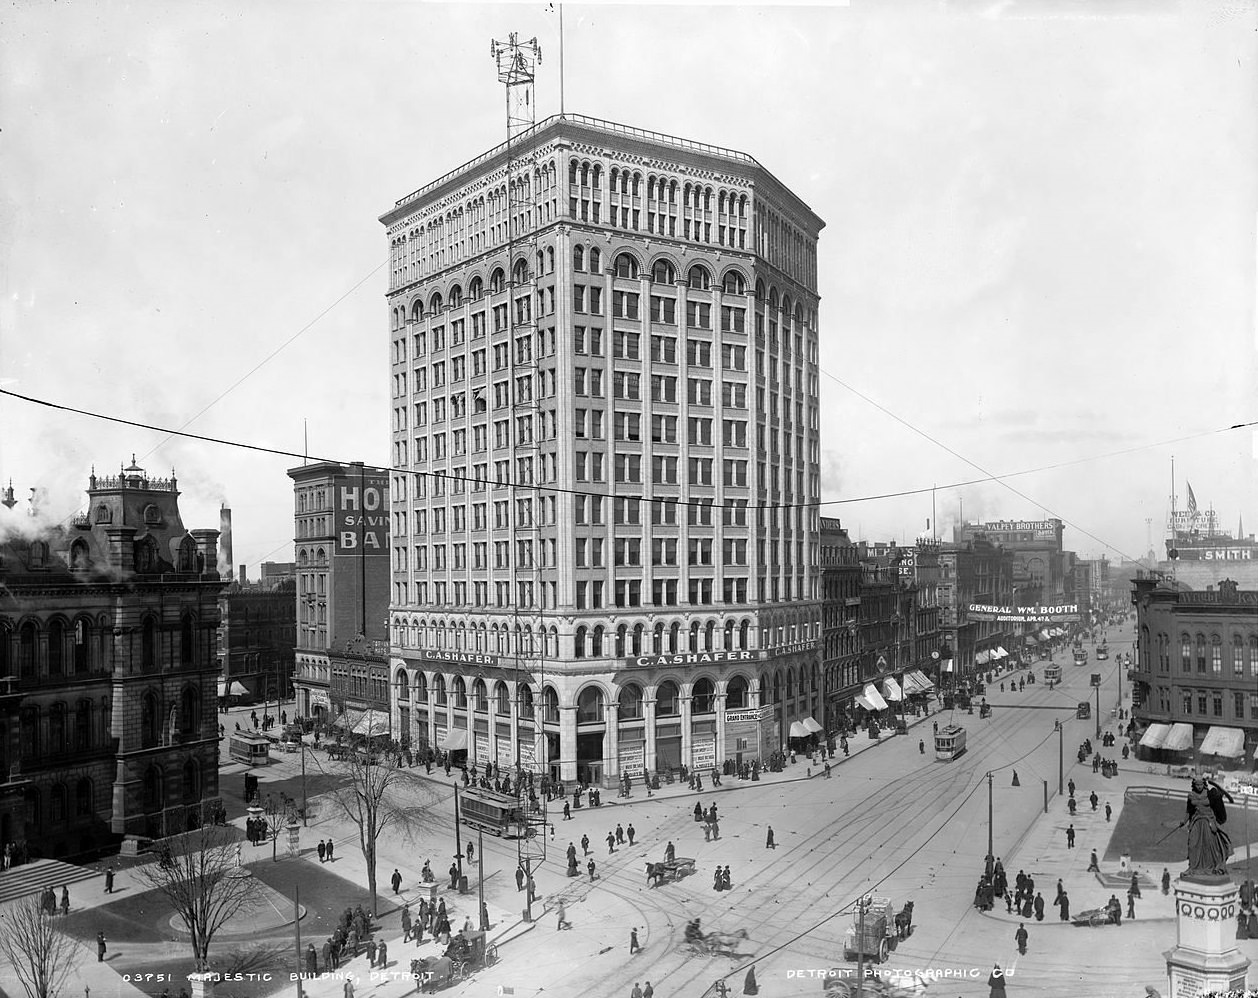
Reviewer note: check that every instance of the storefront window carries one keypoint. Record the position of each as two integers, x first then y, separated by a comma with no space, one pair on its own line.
736,693
666,700
630,702
703,696
590,706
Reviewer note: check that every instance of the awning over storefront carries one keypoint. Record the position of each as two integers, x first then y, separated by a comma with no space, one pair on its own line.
1031,639
813,725
1179,739
871,699
371,724
237,689
891,690
1155,735
1045,634
798,730
1001,653
982,657
455,741
1227,742
915,682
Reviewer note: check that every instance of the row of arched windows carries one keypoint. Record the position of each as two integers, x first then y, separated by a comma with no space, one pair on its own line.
590,700
62,648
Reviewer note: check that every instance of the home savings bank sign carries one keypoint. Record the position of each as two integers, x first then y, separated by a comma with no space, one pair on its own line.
1038,614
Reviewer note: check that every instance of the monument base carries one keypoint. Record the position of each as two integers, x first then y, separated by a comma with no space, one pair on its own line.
1205,958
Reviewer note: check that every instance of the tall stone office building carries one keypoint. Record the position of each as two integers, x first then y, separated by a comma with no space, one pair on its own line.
606,443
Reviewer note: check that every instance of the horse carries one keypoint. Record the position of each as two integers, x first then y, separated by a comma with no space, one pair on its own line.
904,921
724,942
654,874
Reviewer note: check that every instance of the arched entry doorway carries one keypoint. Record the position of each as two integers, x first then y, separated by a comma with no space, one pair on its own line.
591,731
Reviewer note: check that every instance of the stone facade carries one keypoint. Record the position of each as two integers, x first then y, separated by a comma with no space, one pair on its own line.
107,632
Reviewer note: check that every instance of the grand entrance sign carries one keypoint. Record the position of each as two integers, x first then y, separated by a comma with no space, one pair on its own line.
751,733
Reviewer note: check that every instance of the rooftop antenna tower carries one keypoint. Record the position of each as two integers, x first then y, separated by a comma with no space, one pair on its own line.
528,588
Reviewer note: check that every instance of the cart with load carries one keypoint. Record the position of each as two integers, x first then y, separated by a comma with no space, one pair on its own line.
435,973
669,871
874,938
471,951
1095,917
711,943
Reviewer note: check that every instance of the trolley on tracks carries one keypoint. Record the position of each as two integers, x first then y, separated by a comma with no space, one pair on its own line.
493,812
1052,674
950,742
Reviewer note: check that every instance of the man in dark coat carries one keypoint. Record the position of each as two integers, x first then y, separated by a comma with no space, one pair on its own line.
768,841
396,880
109,880
1093,799
1039,907
585,845
996,982
1135,886
1021,937
1166,881
312,960
330,850
519,878
321,849
1070,837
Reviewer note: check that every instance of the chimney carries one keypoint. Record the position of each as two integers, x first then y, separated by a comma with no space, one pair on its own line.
244,579
225,543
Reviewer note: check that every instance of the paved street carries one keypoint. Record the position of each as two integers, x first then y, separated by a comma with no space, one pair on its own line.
891,820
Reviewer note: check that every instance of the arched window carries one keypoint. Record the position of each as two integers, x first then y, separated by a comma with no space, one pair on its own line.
674,637
520,272
666,699
630,702
456,296
80,557
1201,653
26,651
578,643
663,273
151,793
621,632
596,261
550,706
728,643
56,647
403,685
1185,652
476,289
434,303
703,697
590,706
503,698
626,266
417,311
694,636
187,554
190,710
596,642
1238,655
735,283
28,731
497,281
103,515
524,697
777,686
709,632
57,804
1216,654
480,696
638,630
657,643
578,258
790,682
150,720
736,691
83,725
460,693
57,729
191,782
148,645
185,640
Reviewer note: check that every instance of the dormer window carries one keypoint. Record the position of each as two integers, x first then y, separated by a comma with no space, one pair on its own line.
104,514
152,515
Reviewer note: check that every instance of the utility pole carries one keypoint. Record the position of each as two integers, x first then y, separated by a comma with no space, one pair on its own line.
297,930
481,918
991,854
1098,712
458,840
861,907
304,805
1061,755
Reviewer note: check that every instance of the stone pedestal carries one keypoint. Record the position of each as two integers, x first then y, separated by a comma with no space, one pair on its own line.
294,839
1205,958
202,985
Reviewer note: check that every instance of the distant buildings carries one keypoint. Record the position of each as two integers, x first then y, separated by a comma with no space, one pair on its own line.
619,315
341,549
107,637
256,639
1196,673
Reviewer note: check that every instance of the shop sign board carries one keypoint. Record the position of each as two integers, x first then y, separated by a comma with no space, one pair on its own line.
482,747
703,754
362,514
632,758
1042,613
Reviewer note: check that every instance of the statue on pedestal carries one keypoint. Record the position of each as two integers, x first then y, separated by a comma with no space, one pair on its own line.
1208,844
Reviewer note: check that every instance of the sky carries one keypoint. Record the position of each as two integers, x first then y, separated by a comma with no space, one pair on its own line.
1039,251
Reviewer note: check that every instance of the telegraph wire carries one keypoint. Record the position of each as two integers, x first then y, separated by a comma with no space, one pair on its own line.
670,500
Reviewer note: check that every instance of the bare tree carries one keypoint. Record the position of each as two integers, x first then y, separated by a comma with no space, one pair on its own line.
32,943
202,885
280,812
370,798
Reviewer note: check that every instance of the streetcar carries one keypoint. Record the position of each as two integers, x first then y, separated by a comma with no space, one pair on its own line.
1081,657
497,813
949,742
1052,674
1102,654
251,749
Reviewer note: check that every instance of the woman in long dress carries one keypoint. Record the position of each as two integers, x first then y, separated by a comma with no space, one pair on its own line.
1208,844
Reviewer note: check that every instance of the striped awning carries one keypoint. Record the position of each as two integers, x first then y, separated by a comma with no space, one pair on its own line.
1179,738
1001,653
891,690
1154,735
982,657
870,698
1227,742
916,682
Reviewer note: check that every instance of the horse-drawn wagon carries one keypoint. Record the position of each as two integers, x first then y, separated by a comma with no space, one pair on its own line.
873,935
712,943
467,953
669,871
